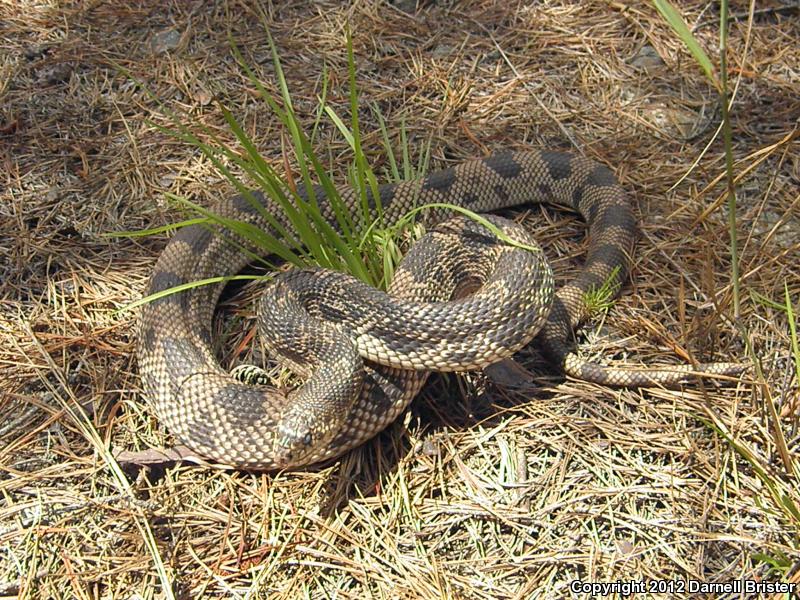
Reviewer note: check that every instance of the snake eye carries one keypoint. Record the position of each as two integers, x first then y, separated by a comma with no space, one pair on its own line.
307,439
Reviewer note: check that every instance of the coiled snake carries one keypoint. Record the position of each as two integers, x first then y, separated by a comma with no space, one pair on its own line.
334,331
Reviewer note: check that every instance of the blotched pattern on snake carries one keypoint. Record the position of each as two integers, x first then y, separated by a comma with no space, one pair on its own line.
461,301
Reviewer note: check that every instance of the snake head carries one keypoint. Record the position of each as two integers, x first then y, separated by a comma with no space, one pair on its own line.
306,427
294,447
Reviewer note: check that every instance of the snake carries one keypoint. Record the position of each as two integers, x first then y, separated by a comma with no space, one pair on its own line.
462,299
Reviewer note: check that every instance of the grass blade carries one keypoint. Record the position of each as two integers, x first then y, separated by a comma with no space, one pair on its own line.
675,20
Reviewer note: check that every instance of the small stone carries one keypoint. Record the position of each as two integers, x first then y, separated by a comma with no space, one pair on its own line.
648,59
407,6
785,235
429,447
492,56
366,66
34,52
204,97
57,73
442,50
509,373
165,40
678,121
626,547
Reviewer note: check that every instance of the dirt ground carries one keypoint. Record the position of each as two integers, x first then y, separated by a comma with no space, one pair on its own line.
479,490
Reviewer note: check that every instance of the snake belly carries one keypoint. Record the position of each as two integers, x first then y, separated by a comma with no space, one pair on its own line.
241,425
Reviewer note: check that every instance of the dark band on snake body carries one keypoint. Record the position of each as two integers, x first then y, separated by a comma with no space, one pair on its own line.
504,165
247,426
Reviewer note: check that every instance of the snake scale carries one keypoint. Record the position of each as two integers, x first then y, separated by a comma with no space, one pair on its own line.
447,296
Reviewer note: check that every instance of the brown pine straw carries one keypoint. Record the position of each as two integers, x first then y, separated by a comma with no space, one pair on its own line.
480,490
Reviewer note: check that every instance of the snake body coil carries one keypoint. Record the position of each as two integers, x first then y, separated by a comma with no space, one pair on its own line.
379,368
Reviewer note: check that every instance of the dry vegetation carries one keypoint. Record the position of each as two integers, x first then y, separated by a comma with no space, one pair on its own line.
479,491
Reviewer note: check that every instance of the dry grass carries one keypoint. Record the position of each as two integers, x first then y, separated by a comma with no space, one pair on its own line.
480,491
